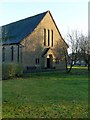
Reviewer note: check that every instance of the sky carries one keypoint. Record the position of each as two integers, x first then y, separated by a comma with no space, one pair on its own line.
68,14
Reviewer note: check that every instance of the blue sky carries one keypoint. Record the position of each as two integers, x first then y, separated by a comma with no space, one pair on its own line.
70,15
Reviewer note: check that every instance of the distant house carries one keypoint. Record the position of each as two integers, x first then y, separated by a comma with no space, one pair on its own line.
31,41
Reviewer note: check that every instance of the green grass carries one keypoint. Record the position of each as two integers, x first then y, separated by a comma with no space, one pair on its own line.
47,95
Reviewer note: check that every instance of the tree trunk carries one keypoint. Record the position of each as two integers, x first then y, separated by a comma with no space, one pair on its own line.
69,69
66,62
88,66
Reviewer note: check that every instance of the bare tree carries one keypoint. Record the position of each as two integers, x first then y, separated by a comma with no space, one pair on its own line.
88,51
85,49
79,47
73,41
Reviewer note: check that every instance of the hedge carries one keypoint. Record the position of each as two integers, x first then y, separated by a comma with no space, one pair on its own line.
10,70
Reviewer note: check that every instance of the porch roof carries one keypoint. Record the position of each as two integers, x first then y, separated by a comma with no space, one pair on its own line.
45,51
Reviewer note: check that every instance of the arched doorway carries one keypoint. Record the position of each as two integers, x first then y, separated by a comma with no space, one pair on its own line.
49,61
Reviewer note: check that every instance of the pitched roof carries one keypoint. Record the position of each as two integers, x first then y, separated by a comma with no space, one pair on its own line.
13,33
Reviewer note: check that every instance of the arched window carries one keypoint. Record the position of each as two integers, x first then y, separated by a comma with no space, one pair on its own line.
18,54
3,54
52,37
44,37
48,37
12,55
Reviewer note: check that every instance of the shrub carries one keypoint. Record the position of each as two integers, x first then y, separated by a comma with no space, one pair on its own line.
10,70
19,70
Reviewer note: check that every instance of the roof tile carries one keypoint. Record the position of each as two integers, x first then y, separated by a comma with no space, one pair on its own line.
13,33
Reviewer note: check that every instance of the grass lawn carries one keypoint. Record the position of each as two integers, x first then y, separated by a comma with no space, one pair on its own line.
47,95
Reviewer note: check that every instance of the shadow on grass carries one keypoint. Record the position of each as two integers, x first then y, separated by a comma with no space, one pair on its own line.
74,71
